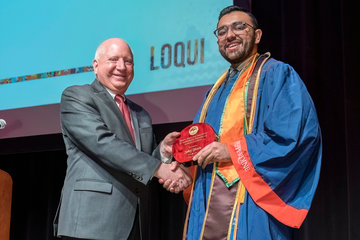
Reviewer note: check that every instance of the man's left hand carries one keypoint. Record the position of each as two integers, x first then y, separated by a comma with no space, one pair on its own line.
167,143
214,152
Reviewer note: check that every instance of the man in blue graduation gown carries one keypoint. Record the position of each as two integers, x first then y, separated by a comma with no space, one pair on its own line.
259,179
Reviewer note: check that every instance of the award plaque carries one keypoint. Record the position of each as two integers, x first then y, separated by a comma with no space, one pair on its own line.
192,139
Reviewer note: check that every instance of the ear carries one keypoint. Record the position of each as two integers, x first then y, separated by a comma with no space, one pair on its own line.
258,34
95,66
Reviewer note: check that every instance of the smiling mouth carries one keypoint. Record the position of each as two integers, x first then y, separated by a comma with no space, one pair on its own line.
119,76
232,45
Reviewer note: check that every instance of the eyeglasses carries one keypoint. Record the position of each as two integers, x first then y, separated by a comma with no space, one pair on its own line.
236,27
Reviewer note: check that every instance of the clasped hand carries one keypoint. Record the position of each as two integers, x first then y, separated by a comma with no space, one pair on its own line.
173,177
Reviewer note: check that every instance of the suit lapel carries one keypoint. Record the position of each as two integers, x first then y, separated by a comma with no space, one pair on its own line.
103,94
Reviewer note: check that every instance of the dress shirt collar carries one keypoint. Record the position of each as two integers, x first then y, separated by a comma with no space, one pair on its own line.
114,94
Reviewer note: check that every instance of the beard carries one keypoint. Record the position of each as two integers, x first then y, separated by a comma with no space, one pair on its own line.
238,56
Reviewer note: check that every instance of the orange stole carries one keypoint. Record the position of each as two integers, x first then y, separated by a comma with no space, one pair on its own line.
232,124
231,128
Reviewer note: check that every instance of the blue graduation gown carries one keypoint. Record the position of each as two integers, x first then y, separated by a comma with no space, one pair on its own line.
284,148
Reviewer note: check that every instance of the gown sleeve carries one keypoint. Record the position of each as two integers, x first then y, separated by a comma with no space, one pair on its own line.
279,162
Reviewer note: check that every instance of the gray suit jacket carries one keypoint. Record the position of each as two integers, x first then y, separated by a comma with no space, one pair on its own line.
106,174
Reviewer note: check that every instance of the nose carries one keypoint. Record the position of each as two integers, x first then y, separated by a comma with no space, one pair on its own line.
120,64
230,34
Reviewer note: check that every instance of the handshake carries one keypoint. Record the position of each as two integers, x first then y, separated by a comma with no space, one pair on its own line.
174,177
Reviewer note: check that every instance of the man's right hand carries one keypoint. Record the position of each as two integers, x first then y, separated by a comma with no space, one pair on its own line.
173,177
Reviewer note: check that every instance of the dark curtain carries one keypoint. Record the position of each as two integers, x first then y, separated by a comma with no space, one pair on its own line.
318,39
37,182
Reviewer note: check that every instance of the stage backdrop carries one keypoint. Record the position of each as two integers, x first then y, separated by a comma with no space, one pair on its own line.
49,45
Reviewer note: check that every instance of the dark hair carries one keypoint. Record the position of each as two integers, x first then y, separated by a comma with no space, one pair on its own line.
234,8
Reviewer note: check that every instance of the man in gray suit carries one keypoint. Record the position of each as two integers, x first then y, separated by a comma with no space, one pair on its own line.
109,162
